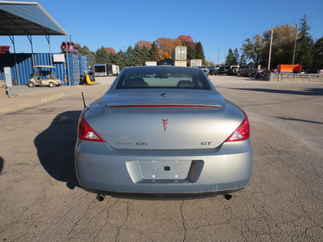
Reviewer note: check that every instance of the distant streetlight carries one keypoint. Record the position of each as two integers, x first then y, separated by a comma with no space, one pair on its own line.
270,48
295,42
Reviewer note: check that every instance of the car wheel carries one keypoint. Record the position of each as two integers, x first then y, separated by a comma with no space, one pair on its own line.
51,84
30,84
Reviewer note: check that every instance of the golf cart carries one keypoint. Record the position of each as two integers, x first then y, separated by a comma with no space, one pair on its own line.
43,76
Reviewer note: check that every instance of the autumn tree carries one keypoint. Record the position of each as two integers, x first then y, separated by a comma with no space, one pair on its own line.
167,46
144,51
185,38
282,47
110,50
143,43
256,50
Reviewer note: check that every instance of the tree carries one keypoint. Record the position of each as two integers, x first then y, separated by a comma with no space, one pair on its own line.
242,60
236,55
248,48
130,57
256,50
144,43
101,56
144,51
154,53
167,46
209,63
141,55
304,45
318,54
185,38
199,52
191,49
110,50
230,59
253,50
282,47
85,51
120,59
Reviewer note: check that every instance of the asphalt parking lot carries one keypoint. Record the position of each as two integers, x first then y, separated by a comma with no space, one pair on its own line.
40,202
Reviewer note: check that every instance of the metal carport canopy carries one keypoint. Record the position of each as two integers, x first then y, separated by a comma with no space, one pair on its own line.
27,18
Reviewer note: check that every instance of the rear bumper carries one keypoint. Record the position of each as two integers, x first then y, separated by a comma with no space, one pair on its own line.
228,168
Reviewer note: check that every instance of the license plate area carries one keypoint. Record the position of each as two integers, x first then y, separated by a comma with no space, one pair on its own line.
164,171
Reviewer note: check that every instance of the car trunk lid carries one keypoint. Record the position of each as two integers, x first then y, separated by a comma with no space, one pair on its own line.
170,121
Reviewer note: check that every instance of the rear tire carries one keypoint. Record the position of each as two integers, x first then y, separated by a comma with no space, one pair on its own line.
51,84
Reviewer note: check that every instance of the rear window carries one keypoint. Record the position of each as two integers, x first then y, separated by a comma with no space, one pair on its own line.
163,77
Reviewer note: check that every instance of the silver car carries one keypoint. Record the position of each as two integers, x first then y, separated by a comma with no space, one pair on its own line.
163,129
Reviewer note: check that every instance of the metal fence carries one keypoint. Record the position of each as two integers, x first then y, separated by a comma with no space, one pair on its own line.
295,76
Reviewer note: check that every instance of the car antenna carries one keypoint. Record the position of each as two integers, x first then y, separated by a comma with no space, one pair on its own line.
84,103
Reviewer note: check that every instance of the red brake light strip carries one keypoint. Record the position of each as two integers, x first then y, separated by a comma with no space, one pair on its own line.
165,106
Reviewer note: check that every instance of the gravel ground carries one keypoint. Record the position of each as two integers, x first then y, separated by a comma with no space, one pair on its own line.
39,202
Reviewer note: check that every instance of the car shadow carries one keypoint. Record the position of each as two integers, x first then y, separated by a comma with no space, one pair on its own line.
55,147
299,120
1,164
305,92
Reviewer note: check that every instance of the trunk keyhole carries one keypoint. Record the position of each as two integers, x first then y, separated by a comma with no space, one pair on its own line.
166,168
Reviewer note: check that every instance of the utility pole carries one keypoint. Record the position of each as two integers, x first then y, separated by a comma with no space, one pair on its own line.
270,48
294,52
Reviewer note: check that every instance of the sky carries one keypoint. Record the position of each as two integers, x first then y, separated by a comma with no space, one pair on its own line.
219,25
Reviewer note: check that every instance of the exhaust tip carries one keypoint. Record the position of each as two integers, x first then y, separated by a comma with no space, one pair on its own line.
100,197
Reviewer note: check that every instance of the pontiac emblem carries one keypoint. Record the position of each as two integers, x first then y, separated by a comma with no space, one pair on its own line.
165,123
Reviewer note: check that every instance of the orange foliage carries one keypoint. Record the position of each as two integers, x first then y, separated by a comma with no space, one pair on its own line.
164,54
167,43
185,38
144,44
110,51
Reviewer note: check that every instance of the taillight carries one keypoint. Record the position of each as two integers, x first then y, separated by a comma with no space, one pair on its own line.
86,132
241,133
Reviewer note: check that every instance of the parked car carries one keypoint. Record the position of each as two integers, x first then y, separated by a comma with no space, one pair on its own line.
205,70
163,129
246,70
212,70
166,62
223,70
233,70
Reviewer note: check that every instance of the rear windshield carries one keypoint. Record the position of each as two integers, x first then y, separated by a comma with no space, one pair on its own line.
163,77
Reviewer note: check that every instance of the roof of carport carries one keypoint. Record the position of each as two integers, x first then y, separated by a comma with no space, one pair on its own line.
27,18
